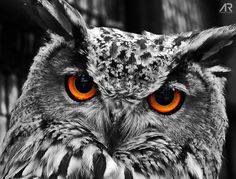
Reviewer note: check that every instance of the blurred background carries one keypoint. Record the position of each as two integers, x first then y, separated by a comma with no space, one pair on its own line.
20,38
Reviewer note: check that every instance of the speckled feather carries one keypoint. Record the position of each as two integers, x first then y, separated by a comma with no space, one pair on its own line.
116,134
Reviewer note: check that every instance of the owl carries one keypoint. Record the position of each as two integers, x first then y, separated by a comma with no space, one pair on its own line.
101,103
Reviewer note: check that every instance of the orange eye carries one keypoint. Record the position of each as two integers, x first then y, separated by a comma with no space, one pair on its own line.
81,87
166,100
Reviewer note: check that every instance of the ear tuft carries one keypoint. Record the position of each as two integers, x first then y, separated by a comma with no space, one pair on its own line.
59,17
208,43
76,18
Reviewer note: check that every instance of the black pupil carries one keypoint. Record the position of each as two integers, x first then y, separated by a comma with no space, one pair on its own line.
84,83
164,96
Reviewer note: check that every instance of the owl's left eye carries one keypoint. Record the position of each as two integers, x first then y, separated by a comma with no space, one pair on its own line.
166,100
80,87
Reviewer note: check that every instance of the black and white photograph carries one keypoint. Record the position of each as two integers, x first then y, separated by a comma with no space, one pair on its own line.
117,89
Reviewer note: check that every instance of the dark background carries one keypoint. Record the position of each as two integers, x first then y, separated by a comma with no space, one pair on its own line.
21,36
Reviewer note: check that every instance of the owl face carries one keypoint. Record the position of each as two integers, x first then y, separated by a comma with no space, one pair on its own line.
116,88
153,105
132,83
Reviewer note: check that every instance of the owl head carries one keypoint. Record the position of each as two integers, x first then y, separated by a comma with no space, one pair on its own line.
152,105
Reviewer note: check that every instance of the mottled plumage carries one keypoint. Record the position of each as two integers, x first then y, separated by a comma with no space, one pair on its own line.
117,134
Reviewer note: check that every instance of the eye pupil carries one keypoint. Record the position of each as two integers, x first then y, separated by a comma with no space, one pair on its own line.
84,83
164,97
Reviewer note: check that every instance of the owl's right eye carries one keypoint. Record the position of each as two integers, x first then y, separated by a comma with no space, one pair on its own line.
80,87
